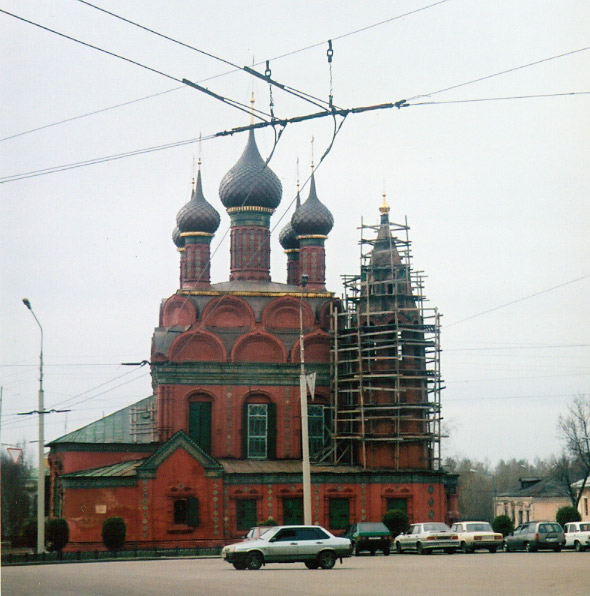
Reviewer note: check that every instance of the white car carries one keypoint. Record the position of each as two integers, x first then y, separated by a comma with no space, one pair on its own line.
477,535
426,537
311,545
577,535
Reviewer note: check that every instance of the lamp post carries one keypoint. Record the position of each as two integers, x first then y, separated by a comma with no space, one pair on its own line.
41,466
304,422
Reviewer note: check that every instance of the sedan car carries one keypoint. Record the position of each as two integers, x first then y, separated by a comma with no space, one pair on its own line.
535,535
369,536
477,535
311,545
426,537
577,535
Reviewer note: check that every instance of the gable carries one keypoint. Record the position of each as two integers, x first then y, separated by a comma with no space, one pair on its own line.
180,440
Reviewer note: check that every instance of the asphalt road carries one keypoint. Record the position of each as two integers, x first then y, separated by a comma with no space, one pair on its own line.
481,574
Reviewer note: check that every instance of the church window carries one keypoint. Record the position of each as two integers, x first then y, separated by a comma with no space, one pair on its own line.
259,430
199,424
315,424
339,513
186,512
245,514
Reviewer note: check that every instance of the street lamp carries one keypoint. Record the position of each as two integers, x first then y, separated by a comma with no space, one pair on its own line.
41,467
304,422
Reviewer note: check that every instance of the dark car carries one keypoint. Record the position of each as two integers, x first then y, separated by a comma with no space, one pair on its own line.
535,535
369,536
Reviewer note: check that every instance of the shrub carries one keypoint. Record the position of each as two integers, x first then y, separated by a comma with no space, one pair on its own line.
269,521
503,524
29,534
114,531
57,533
396,521
567,514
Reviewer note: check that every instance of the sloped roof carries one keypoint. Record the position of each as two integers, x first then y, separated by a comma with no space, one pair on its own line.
285,466
114,428
118,470
548,487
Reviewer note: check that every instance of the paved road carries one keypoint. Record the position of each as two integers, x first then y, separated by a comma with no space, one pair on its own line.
481,574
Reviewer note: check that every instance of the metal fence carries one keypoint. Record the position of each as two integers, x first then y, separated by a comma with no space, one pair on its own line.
99,555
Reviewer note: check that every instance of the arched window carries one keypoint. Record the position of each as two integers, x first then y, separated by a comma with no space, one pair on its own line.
258,429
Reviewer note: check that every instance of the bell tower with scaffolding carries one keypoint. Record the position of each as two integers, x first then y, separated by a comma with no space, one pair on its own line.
386,359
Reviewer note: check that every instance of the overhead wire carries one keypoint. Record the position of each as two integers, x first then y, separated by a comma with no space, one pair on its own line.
288,89
236,69
489,310
233,103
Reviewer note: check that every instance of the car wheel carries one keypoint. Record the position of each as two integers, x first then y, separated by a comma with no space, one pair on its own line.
239,565
420,549
254,560
506,548
578,546
311,564
357,550
372,552
450,551
492,549
464,548
398,548
557,549
529,547
326,559
386,551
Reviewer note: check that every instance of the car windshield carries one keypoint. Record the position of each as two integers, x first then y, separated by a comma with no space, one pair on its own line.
482,527
372,527
436,528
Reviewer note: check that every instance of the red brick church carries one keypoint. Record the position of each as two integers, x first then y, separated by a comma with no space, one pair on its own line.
217,448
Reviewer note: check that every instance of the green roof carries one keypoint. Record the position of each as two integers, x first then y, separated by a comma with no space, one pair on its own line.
119,470
134,424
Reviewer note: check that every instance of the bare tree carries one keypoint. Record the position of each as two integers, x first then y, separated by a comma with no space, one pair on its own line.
574,429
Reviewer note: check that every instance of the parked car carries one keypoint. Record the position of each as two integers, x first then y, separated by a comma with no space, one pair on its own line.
535,535
424,538
370,536
477,535
311,545
577,535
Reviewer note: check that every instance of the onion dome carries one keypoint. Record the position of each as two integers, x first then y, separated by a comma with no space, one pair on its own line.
198,215
288,237
313,217
177,238
250,182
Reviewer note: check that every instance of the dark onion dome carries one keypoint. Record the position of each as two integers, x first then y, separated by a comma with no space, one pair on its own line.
250,183
288,237
313,217
177,238
198,215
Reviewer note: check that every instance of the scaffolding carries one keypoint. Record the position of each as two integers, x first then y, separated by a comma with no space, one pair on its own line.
385,359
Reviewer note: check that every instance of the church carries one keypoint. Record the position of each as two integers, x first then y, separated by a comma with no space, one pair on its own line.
217,448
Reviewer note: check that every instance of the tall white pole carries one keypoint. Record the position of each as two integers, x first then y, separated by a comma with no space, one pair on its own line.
304,428
41,447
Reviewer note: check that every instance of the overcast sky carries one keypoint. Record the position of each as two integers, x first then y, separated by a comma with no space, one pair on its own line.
496,192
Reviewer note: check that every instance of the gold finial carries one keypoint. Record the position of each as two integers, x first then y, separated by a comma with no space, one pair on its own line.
297,175
194,171
384,207
312,141
252,108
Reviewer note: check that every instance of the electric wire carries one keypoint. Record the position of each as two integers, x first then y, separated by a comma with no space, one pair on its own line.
489,310
509,98
223,74
305,96
231,102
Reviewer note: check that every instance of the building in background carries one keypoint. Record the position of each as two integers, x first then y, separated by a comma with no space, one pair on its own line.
217,448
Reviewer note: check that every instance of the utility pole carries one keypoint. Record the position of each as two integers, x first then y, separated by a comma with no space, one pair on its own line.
304,423
41,446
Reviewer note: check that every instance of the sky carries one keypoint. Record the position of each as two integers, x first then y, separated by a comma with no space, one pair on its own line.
495,190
